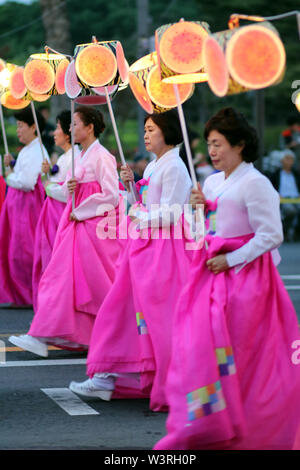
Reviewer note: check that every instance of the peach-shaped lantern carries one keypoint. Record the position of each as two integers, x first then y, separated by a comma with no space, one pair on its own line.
179,48
150,91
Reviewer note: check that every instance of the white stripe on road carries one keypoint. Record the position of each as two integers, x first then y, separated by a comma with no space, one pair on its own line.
292,287
290,276
52,362
69,402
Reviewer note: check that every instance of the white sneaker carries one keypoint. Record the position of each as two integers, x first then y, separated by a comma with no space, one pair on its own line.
88,389
29,343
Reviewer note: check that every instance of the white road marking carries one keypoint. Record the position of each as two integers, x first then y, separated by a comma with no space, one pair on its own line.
69,402
290,276
50,362
292,287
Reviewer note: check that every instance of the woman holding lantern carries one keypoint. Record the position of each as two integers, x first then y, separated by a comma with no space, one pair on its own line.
232,381
136,341
82,266
55,203
20,213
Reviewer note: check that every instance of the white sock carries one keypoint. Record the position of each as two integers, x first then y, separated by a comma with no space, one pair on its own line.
104,381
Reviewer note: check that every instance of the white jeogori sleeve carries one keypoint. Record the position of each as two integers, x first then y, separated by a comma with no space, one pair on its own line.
99,203
56,191
55,188
176,186
262,202
26,174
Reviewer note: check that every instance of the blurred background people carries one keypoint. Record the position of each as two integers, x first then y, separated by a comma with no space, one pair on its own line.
286,180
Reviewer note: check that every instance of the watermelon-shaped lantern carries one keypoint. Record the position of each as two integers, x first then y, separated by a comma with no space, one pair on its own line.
151,92
179,47
96,66
44,73
244,58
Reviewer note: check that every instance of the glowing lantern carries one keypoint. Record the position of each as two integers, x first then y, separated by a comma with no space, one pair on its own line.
242,59
179,48
84,94
150,91
101,64
7,98
97,67
44,73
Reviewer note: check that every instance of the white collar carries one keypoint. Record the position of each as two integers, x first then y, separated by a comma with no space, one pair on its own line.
83,157
174,152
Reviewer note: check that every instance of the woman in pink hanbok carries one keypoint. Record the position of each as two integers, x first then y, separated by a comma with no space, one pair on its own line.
20,213
232,381
82,266
132,334
55,203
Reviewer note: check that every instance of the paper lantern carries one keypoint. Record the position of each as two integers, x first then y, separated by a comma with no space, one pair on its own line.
100,64
17,85
244,58
44,73
179,48
152,94
18,89
96,66
8,100
82,93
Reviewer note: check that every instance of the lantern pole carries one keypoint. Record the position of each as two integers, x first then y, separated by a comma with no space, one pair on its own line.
38,132
3,134
73,149
117,137
200,212
185,137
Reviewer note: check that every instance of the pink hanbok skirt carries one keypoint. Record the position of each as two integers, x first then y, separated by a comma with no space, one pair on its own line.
77,279
232,383
44,240
18,221
133,328
2,191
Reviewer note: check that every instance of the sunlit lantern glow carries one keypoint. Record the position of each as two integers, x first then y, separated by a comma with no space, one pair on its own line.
179,47
4,77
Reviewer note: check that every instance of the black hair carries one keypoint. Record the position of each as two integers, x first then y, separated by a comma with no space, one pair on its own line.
169,124
90,115
236,129
25,115
64,119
